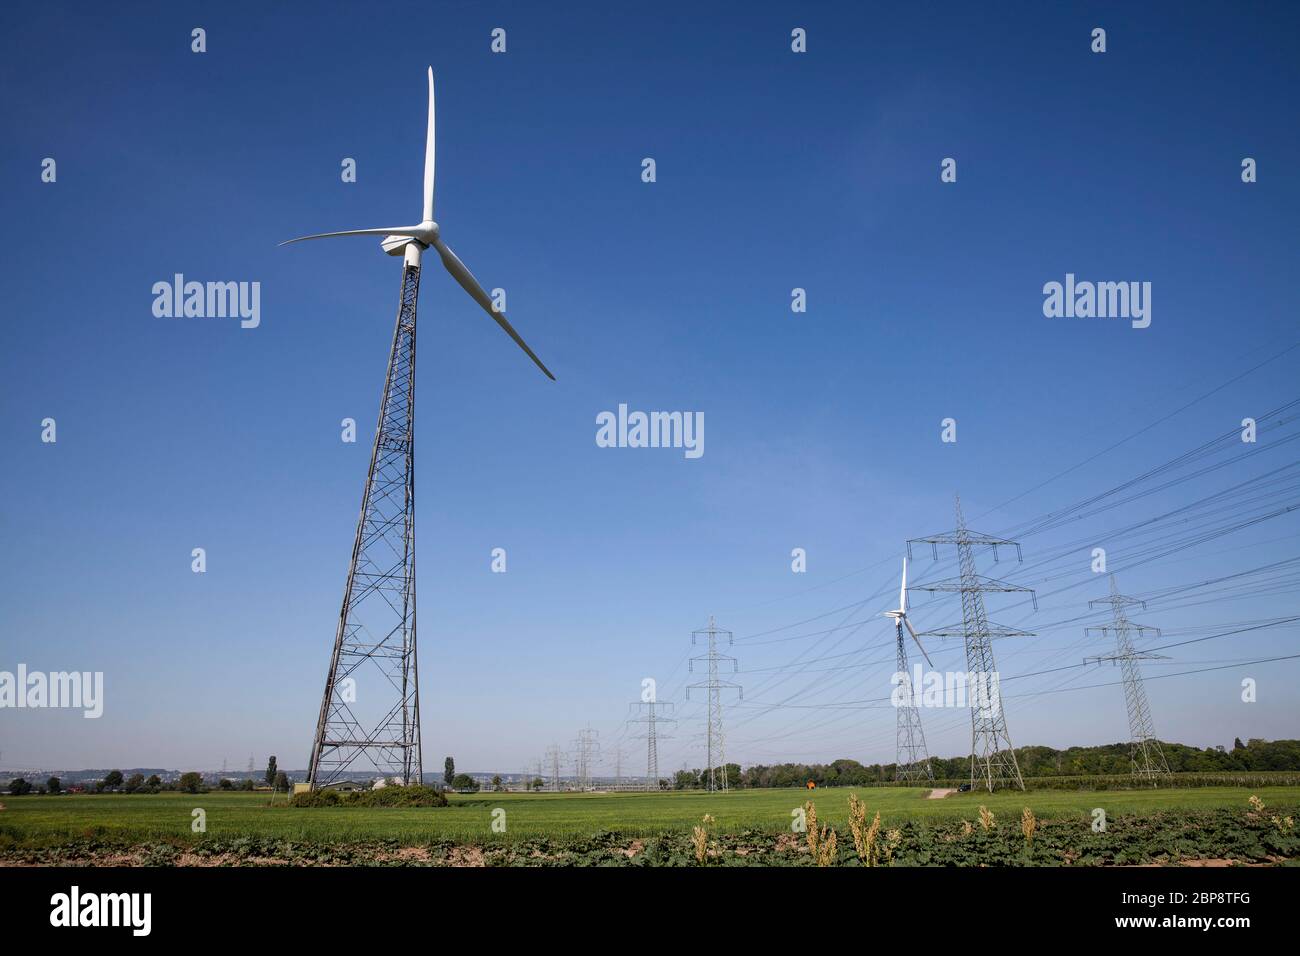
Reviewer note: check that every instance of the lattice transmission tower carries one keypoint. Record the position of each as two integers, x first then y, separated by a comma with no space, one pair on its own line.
1148,758
370,712
716,746
993,759
585,748
652,714
553,757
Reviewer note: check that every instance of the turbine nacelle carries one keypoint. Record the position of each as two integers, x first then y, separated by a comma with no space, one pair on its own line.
396,245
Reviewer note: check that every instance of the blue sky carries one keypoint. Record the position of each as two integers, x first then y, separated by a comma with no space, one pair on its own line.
774,171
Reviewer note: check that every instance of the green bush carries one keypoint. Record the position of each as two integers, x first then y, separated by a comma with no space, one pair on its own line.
413,796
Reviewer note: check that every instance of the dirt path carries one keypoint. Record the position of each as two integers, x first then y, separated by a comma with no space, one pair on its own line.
939,794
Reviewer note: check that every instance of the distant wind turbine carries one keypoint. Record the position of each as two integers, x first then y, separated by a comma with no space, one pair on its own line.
911,758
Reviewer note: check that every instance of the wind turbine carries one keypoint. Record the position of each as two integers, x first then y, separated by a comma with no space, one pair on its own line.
411,241
377,624
911,759
901,621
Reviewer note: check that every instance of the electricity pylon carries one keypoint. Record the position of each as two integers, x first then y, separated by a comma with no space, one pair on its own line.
554,756
716,746
379,719
911,759
1148,759
585,747
993,759
651,716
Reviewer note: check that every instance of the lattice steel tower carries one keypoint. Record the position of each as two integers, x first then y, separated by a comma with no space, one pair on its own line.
650,715
553,756
993,760
1147,757
618,766
912,759
370,711
716,747
585,747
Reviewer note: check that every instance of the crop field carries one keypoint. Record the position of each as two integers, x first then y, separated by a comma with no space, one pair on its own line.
134,818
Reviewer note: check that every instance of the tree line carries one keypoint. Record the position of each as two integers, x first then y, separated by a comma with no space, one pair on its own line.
1108,759
191,782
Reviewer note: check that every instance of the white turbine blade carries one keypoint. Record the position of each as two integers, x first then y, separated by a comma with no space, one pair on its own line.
902,591
428,157
412,231
911,630
461,274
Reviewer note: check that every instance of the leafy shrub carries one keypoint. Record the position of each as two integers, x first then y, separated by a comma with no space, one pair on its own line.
417,795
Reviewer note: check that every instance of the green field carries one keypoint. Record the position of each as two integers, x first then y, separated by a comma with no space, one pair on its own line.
43,820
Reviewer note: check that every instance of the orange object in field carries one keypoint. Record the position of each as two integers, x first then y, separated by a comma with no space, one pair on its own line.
811,785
